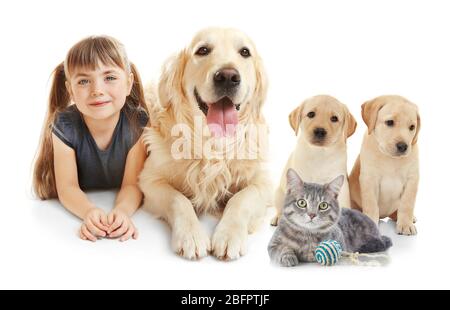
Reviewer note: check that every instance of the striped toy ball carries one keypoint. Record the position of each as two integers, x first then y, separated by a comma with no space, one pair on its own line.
328,252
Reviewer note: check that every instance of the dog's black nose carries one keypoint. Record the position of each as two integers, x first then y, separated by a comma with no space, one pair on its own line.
227,78
320,133
401,147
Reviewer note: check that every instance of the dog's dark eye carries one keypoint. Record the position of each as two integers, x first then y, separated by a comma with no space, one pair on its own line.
311,114
334,118
412,127
244,52
203,51
389,123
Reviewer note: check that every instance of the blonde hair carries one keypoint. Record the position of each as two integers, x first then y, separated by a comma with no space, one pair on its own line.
88,53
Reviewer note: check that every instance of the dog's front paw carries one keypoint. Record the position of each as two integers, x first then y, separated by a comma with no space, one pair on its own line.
190,241
229,241
406,228
288,260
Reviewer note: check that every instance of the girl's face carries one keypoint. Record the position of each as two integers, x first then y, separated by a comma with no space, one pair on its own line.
100,93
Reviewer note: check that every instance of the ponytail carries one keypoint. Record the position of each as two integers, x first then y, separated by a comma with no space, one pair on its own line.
137,100
44,183
137,91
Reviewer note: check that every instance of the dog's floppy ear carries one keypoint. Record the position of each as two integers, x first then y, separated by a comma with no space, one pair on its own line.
295,117
259,96
350,123
170,86
417,129
369,112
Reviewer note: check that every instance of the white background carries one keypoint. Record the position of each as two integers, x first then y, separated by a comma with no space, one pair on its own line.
353,50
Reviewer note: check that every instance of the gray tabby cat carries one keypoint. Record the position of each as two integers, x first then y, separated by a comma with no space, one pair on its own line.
311,214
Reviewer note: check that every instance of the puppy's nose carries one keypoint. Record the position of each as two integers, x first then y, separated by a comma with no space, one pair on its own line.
311,216
227,78
401,147
320,133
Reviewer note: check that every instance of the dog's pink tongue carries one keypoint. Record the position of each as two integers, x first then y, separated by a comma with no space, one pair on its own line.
222,118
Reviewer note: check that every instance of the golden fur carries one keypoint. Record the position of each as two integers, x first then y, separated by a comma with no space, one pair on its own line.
383,182
176,189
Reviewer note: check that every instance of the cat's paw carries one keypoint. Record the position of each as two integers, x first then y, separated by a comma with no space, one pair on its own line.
288,260
406,228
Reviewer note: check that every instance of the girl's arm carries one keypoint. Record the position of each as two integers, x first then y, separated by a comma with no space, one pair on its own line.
70,194
129,197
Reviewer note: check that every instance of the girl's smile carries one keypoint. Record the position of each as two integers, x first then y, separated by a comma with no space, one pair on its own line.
99,103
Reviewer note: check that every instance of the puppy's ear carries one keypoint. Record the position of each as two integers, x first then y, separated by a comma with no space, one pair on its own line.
369,112
295,118
417,129
170,86
350,123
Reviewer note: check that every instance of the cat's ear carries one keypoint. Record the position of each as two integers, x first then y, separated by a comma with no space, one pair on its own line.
294,182
335,186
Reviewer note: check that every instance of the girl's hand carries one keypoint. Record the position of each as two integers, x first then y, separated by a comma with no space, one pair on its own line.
95,225
120,225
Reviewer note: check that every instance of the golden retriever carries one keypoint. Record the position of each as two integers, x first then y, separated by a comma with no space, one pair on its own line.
322,125
385,176
211,93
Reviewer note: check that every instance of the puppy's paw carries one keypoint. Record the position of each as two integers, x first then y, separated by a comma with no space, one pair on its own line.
190,241
229,241
405,228
288,260
274,221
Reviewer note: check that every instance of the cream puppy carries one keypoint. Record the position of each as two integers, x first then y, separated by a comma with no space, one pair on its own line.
322,125
385,176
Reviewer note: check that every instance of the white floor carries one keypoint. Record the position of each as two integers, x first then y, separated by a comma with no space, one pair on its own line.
42,251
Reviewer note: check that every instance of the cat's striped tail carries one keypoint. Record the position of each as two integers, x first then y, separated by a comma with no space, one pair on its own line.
374,245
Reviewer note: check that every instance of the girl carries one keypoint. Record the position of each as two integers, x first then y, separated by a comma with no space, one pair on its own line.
95,142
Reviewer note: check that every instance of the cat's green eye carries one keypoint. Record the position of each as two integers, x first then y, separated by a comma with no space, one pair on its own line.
301,203
323,206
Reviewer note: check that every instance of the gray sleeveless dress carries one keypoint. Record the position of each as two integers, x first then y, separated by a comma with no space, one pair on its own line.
98,169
